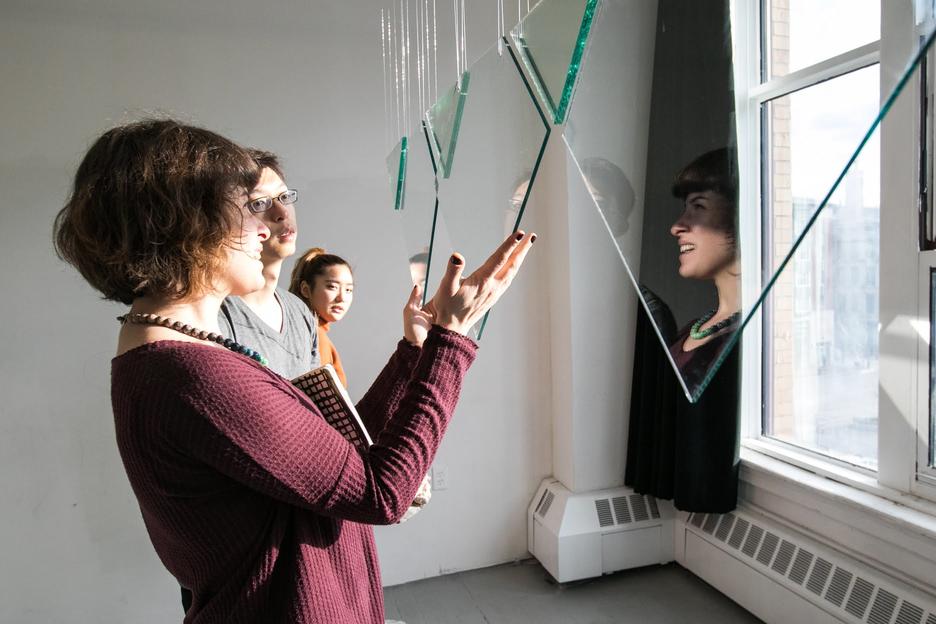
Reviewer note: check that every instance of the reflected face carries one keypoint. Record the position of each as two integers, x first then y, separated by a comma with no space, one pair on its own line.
703,233
243,271
418,268
280,218
332,294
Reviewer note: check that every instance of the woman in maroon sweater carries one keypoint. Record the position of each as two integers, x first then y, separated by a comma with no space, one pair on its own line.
250,498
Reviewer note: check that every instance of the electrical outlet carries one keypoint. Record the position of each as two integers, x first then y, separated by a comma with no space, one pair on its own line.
440,478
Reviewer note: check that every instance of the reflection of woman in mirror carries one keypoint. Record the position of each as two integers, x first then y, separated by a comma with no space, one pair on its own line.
677,449
612,192
708,250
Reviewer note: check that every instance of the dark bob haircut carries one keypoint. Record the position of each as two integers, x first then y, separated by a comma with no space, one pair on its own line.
152,209
712,171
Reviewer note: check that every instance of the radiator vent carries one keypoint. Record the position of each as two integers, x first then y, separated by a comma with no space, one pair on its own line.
801,564
740,528
860,597
910,614
753,540
621,509
850,596
768,549
885,603
545,502
627,509
639,506
603,507
782,563
710,523
819,576
724,526
841,581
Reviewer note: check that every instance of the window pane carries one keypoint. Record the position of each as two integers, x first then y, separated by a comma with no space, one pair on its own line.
800,33
822,356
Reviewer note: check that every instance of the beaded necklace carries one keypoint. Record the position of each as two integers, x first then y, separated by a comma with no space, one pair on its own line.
698,334
188,330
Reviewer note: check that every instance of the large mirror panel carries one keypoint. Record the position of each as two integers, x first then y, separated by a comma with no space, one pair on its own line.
501,137
418,206
653,130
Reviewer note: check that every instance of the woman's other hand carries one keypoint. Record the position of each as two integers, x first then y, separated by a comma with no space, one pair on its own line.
416,319
460,303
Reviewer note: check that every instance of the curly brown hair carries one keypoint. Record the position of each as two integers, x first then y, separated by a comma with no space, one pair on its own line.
152,209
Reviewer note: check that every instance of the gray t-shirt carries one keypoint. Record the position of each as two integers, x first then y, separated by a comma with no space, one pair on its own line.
289,353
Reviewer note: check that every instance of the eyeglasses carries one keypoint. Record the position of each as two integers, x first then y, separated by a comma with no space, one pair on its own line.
262,204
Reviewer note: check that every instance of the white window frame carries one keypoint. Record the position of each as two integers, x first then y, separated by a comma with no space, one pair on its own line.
903,413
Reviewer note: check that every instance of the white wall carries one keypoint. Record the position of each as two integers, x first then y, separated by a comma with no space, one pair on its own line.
302,79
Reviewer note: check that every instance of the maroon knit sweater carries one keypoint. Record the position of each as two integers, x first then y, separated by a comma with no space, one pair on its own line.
251,499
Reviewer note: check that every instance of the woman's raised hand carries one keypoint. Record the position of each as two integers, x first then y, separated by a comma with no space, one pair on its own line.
460,303
416,319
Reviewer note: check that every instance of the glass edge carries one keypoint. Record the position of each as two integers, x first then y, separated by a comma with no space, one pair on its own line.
578,52
547,129
456,126
401,176
435,214
534,71
633,279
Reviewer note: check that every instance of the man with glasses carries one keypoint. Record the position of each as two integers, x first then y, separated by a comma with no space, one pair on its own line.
272,320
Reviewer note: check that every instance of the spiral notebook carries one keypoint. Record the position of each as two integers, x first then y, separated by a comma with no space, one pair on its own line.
324,388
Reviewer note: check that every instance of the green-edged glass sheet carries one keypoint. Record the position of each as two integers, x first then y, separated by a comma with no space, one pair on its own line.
417,210
444,120
396,172
501,141
551,42
655,103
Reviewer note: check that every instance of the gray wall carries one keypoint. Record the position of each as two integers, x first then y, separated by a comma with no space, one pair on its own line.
302,79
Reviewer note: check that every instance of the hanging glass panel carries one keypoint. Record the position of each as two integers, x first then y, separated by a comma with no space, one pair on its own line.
396,172
417,209
653,133
551,41
444,119
501,140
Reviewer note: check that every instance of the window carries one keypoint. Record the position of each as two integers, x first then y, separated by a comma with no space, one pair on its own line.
818,96
841,365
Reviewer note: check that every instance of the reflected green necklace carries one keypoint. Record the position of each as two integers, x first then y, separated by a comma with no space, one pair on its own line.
188,330
698,334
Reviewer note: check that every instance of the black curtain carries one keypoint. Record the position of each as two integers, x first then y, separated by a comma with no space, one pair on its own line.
687,452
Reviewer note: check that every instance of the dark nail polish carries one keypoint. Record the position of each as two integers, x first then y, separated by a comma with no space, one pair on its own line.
518,236
533,238
456,261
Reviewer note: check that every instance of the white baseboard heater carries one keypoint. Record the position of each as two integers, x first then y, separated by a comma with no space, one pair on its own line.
781,577
583,535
